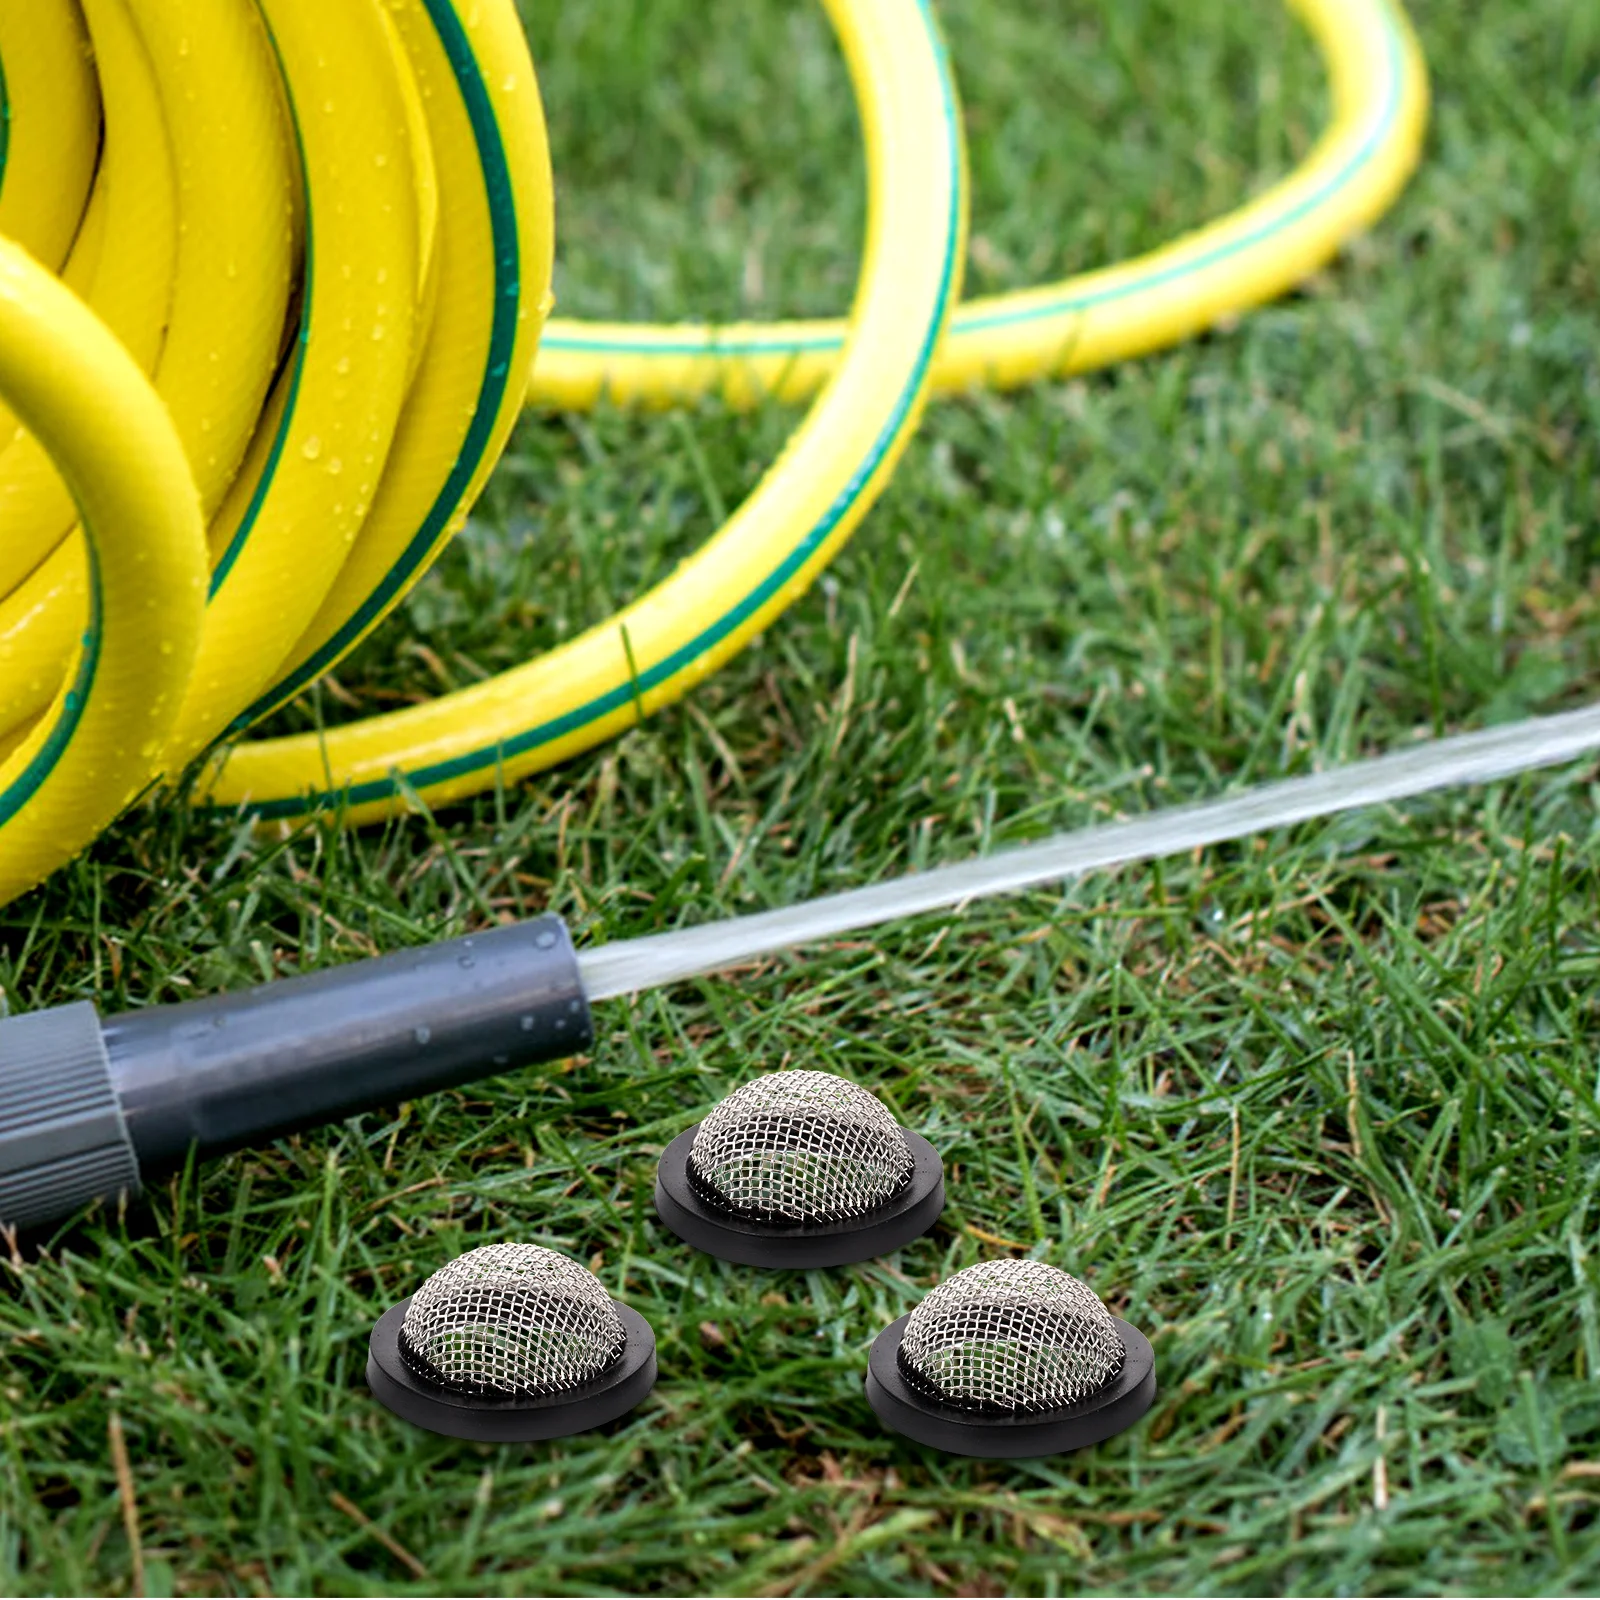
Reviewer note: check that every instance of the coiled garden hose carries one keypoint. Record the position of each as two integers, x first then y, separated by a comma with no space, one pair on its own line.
272,284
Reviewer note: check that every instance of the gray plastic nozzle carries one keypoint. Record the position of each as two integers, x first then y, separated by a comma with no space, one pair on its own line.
88,1106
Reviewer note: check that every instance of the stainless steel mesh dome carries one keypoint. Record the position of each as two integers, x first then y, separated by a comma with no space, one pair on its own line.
510,1320
799,1147
1010,1336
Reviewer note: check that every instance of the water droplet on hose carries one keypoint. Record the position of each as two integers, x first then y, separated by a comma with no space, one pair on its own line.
423,1035
312,448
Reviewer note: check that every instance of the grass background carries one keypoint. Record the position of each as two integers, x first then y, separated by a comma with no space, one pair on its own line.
1318,1111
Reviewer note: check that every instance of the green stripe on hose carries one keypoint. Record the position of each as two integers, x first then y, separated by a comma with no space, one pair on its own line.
5,123
241,536
27,782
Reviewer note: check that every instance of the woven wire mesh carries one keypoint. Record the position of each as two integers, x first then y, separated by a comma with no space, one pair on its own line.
1010,1336
509,1320
801,1147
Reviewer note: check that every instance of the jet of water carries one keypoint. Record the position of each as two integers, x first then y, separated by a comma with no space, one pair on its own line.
633,965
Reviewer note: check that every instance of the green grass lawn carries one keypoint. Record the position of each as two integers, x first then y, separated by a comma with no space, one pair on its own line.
1318,1111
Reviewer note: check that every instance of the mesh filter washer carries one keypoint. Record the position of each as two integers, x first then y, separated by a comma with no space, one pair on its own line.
511,1342
799,1169
1008,1359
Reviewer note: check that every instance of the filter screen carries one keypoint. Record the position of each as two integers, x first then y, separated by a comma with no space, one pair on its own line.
1010,1336
511,1320
804,1147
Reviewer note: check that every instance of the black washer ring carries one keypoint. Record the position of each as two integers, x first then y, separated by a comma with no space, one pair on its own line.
617,1391
907,1216
1116,1406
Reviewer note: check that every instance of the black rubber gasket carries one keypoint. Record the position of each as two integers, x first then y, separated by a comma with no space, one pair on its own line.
774,1245
1118,1405
617,1391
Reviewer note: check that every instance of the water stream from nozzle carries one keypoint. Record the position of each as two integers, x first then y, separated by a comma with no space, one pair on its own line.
632,965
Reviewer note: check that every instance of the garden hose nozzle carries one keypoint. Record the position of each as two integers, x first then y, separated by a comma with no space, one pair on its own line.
90,1105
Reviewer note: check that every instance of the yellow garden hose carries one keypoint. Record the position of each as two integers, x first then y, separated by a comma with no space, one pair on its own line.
274,282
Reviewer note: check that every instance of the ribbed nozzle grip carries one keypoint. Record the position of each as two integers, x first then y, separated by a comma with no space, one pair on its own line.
63,1142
